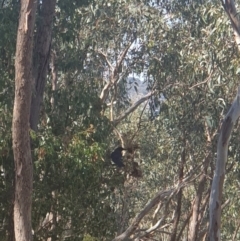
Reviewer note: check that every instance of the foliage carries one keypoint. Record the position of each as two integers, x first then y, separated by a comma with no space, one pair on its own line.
69,175
182,49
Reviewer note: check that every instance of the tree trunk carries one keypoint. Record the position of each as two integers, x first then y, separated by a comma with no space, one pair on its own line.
179,195
194,224
41,58
20,125
219,175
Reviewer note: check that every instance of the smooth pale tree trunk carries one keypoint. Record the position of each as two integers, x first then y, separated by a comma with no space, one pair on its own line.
20,125
41,57
224,137
218,179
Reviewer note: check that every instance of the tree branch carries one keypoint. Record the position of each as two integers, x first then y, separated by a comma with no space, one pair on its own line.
104,56
159,222
146,210
114,71
160,195
122,56
133,107
104,93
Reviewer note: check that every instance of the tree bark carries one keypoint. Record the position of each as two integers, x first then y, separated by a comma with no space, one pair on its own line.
194,224
179,195
41,58
219,175
20,125
224,137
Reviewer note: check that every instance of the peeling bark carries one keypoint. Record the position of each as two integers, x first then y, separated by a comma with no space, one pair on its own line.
219,175
20,125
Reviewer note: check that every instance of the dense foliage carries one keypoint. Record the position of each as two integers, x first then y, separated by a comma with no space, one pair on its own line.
184,50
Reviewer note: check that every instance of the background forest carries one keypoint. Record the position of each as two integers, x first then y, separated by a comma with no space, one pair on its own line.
154,76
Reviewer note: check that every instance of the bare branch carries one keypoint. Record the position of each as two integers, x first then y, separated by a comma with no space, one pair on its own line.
139,122
104,56
236,230
156,212
133,107
148,207
104,93
123,55
160,196
114,72
203,82
160,221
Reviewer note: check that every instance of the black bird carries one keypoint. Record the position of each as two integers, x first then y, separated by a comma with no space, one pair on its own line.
116,156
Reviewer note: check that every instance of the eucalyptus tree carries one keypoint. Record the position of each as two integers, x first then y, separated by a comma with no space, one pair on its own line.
181,50
20,124
195,69
229,121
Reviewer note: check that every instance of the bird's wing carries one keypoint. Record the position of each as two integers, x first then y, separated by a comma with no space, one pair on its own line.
117,159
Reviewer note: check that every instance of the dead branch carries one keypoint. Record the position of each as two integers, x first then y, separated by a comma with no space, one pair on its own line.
203,82
104,56
122,56
114,71
160,196
133,107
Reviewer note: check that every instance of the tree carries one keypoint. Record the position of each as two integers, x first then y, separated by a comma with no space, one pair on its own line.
109,61
42,50
219,175
20,125
215,206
